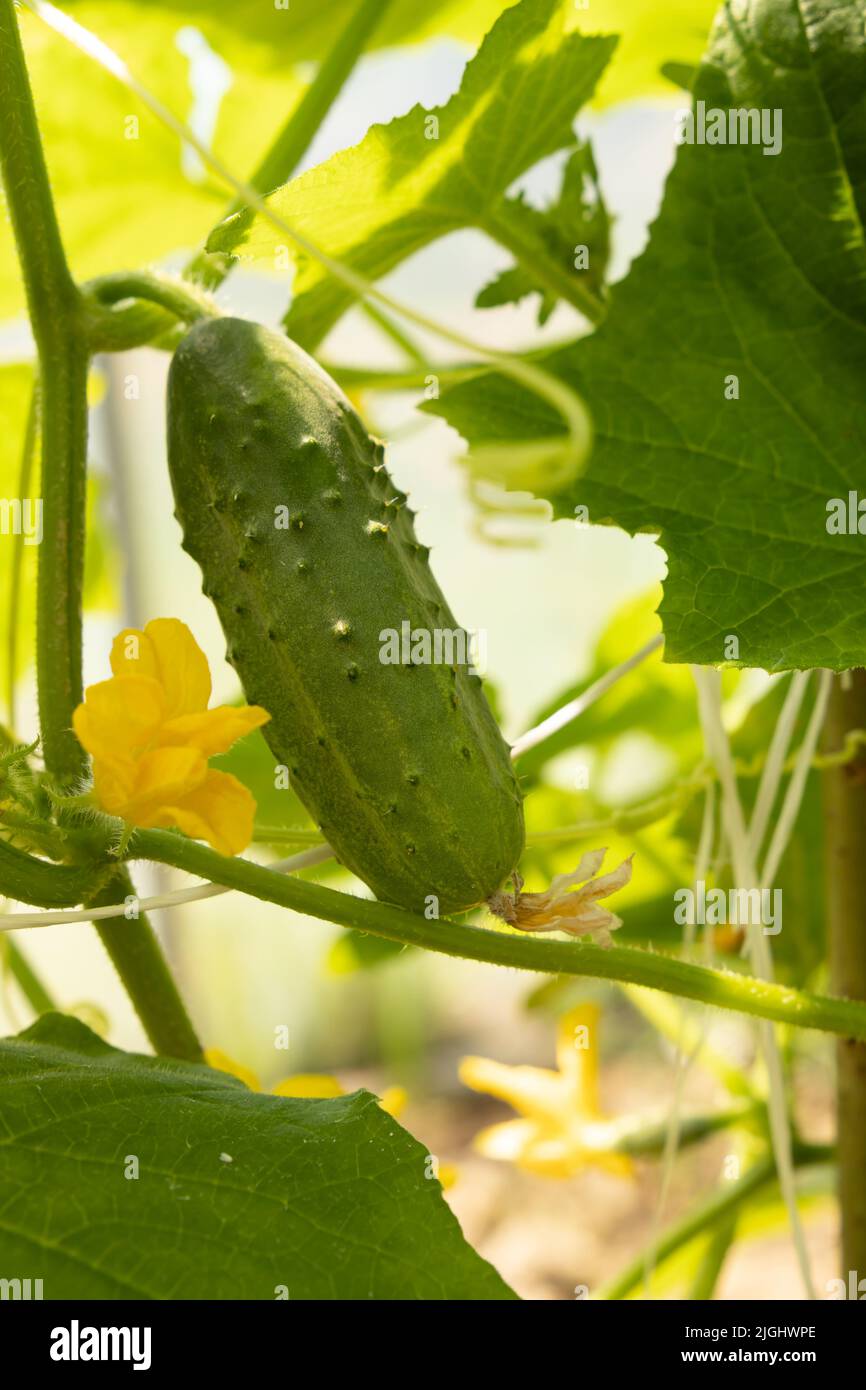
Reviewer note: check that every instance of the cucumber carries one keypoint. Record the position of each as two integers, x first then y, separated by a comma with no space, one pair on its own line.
309,554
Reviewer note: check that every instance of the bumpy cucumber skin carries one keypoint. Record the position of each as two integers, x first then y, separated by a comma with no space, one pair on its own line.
403,767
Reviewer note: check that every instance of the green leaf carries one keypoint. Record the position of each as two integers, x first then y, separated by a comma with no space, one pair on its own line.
755,269
577,221
237,1193
428,173
126,199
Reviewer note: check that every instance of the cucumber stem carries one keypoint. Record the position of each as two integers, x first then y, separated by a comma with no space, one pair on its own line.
54,307
630,965
108,329
137,957
58,320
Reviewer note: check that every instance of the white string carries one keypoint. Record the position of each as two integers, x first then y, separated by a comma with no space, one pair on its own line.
13,921
775,763
718,746
796,786
581,703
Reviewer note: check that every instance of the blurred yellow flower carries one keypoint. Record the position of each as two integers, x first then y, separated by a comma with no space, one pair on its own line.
562,1129
150,733
220,1061
309,1086
302,1085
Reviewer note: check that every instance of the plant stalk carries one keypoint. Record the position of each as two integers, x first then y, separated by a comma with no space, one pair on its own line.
520,951
53,303
845,876
26,978
137,957
58,320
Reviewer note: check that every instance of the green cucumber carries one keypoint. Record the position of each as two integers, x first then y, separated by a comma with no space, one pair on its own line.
309,554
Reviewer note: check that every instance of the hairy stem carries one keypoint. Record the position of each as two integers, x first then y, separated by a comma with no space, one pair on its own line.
107,329
58,319
138,959
54,305
25,480
747,995
845,855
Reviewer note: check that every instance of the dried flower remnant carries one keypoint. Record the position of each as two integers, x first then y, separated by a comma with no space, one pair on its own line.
559,909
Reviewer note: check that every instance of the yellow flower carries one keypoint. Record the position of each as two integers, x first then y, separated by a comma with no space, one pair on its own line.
150,733
303,1085
309,1086
558,909
562,1129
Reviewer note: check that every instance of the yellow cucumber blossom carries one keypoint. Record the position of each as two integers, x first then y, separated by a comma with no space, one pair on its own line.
559,909
302,1085
562,1129
150,733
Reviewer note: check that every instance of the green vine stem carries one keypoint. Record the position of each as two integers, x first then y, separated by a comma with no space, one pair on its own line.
25,481
54,305
59,321
626,964
137,957
107,330
718,1247
845,856
25,977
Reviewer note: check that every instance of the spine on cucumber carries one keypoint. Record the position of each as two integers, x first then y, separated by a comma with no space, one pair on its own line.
309,553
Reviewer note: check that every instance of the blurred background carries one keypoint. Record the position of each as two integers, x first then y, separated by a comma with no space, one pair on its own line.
559,603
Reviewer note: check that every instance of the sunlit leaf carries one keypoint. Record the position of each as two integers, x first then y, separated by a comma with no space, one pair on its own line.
429,173
727,382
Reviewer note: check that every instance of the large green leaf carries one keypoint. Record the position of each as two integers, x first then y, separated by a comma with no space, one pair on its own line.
238,1195
410,182
756,269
